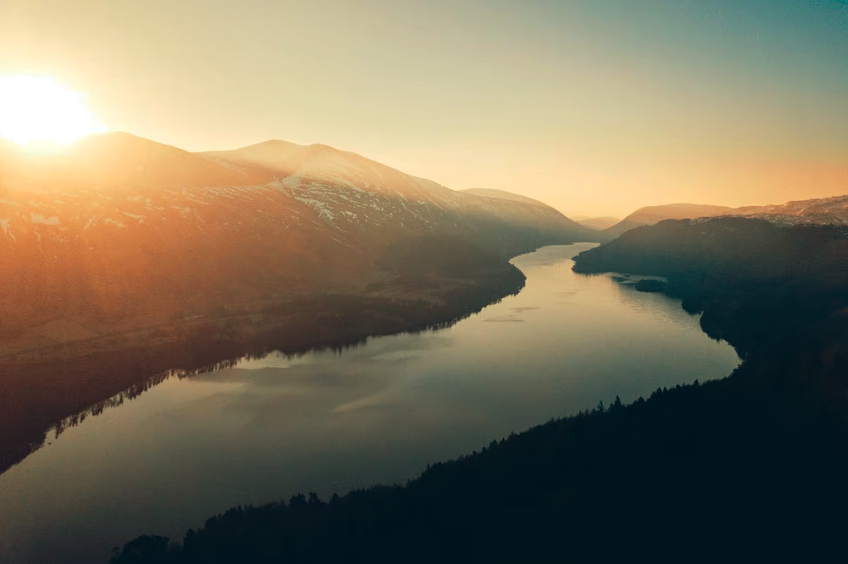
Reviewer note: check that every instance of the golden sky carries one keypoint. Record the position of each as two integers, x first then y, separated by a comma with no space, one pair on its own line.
597,108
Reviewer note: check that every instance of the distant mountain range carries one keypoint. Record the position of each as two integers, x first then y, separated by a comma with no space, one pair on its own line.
824,211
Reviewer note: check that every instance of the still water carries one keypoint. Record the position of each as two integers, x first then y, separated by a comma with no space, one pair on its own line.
329,422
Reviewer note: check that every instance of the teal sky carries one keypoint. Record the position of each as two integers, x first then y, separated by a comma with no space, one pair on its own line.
595,106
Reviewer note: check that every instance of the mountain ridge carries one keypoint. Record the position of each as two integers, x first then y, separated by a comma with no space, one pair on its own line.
309,208
598,223
818,211
163,259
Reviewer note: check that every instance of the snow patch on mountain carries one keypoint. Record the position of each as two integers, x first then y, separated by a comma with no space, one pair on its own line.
38,218
320,207
4,224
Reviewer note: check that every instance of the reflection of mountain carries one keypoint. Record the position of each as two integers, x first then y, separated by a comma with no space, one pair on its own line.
825,211
120,252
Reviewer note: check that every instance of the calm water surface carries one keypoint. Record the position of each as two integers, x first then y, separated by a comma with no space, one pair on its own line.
328,422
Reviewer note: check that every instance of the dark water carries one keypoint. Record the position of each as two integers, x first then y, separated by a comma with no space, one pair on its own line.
329,422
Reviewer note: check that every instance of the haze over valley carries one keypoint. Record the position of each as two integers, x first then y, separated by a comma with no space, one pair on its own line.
448,281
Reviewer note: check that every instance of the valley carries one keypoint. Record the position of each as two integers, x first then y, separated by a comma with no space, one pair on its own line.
768,440
123,258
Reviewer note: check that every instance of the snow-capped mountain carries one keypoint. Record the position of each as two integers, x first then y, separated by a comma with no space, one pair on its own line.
115,230
364,198
121,258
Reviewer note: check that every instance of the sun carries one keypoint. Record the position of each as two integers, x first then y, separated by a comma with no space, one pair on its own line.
41,110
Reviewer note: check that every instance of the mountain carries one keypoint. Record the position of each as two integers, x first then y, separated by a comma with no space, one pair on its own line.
116,226
117,160
357,194
654,214
122,258
575,226
503,195
598,223
118,229
822,211
756,281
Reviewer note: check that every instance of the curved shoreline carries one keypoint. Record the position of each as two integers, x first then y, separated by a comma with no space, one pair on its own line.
38,397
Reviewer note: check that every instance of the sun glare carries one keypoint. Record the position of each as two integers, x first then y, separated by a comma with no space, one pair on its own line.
36,109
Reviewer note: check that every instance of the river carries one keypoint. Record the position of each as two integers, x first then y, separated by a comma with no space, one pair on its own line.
330,421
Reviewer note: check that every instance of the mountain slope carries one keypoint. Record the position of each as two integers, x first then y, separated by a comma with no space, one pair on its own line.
651,215
599,223
368,200
117,160
120,226
503,195
116,226
122,258
822,211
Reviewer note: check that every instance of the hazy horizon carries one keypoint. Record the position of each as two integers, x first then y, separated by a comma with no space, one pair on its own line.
288,257
594,109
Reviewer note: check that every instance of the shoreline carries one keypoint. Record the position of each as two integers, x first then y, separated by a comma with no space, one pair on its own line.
36,397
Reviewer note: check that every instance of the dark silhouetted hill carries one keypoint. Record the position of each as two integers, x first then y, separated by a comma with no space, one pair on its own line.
750,468
756,283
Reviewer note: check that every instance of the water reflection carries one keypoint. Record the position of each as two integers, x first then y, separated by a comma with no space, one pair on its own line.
190,445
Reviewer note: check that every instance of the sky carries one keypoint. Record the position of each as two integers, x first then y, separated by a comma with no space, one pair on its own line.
597,107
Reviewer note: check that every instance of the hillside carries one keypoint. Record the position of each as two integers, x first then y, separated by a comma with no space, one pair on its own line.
756,282
651,215
598,223
117,226
822,211
503,195
366,198
122,258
